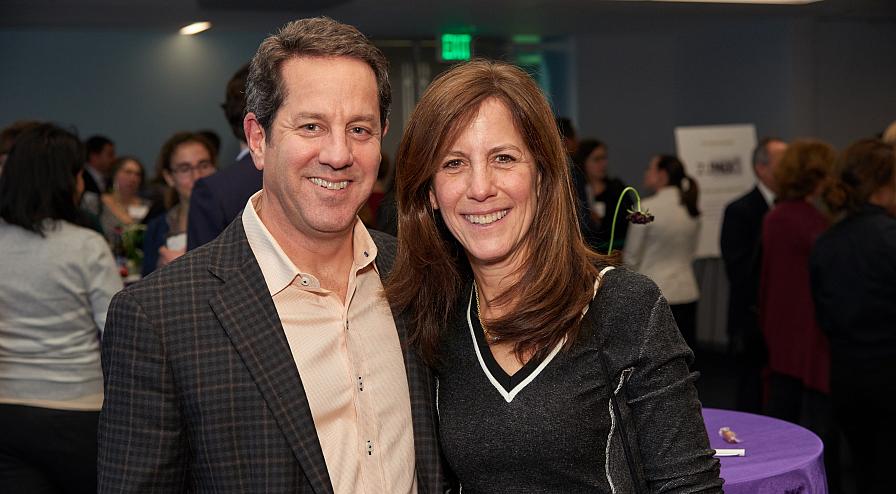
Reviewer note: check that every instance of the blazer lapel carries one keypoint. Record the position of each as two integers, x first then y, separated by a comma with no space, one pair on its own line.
247,313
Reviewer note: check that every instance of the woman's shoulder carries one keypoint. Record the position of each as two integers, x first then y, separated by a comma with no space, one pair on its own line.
622,291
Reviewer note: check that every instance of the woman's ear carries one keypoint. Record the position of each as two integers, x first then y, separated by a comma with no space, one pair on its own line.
432,199
169,179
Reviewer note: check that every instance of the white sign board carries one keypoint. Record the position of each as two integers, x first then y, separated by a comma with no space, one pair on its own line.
720,158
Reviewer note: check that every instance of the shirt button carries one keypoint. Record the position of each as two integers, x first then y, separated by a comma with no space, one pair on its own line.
305,281
366,254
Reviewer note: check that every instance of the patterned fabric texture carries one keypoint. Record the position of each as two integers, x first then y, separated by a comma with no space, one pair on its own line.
202,392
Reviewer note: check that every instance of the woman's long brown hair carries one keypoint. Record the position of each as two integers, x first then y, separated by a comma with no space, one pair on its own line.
431,269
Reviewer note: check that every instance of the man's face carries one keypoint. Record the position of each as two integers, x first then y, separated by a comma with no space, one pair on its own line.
105,158
766,173
321,156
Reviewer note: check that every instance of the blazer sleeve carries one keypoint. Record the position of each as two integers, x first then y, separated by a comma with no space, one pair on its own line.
206,219
142,445
666,411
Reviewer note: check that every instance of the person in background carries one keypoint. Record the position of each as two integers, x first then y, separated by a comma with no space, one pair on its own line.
889,135
602,193
570,140
123,205
100,153
185,157
664,250
220,198
370,212
741,245
56,281
213,139
853,274
531,333
798,352
8,137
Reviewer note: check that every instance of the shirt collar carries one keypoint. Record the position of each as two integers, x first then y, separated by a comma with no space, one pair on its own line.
277,268
767,194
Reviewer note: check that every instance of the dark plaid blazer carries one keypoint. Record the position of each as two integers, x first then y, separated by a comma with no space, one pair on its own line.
202,392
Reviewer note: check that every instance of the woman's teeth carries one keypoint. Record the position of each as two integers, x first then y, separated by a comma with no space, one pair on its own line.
329,185
485,219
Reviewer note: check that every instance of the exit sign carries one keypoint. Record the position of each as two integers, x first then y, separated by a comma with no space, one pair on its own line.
455,47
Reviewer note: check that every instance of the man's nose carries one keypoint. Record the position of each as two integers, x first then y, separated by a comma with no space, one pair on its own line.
336,151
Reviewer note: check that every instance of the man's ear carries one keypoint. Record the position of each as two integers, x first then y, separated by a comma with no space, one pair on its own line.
255,138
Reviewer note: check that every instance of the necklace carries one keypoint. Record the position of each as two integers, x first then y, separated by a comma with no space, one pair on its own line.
489,338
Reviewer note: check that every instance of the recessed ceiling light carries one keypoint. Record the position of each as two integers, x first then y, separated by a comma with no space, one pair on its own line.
195,28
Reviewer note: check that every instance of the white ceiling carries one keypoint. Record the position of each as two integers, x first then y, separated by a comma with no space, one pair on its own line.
401,18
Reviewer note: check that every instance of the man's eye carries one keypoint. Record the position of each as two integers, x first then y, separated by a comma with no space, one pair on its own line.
311,127
360,130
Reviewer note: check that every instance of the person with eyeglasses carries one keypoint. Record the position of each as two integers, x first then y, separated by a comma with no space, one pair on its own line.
184,158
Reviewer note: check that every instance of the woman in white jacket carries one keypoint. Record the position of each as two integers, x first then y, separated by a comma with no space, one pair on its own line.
664,250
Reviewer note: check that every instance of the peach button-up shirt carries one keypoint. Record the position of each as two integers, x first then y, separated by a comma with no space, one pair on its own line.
349,358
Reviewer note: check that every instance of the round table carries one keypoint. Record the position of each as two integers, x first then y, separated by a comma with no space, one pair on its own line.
780,457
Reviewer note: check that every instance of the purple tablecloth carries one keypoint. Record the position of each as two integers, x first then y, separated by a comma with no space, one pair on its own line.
780,457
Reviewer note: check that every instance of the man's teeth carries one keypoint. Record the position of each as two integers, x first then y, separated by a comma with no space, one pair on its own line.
329,185
485,219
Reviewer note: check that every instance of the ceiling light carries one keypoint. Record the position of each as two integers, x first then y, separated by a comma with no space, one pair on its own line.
195,28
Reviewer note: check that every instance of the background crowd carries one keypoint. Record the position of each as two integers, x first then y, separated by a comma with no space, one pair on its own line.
808,254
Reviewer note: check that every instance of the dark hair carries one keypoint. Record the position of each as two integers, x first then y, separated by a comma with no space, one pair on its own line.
163,162
234,105
8,134
95,144
687,186
865,166
430,267
120,162
314,37
214,140
761,155
586,147
805,164
567,130
39,177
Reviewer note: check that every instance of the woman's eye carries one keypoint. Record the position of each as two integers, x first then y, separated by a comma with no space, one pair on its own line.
451,164
504,158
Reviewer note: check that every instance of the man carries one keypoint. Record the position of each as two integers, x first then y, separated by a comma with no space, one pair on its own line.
100,158
741,250
218,199
267,360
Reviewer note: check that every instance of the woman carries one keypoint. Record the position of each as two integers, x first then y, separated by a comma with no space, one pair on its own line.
664,250
540,387
56,281
602,193
798,351
853,273
185,157
123,206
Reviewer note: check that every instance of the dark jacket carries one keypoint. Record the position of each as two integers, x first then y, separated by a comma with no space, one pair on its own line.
853,273
741,242
202,391
219,198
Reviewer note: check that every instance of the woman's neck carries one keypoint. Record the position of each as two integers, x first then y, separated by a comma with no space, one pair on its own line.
492,281
124,199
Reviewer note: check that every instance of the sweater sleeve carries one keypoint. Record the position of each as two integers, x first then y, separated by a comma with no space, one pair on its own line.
102,278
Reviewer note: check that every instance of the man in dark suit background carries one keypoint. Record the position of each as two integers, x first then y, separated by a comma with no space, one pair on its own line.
741,251
268,360
217,199
100,158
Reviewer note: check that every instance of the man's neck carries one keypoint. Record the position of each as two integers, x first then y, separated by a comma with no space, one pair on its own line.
327,257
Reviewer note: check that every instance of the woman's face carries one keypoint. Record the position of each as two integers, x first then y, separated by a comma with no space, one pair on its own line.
485,188
127,178
654,178
190,161
596,164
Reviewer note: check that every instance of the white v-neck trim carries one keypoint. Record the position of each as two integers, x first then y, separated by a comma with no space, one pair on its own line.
508,396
